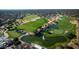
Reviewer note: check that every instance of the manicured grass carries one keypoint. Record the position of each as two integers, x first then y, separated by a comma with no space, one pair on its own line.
13,34
45,43
57,38
29,17
64,23
32,26
32,39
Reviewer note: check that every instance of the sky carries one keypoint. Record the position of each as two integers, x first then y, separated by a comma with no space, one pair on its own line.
39,4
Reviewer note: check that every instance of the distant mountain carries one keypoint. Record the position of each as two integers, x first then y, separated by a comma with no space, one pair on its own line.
11,15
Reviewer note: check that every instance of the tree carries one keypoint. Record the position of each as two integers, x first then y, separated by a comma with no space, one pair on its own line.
16,41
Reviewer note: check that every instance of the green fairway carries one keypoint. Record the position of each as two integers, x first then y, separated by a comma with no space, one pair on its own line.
45,43
28,27
58,36
32,26
29,17
13,34
64,23
32,39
